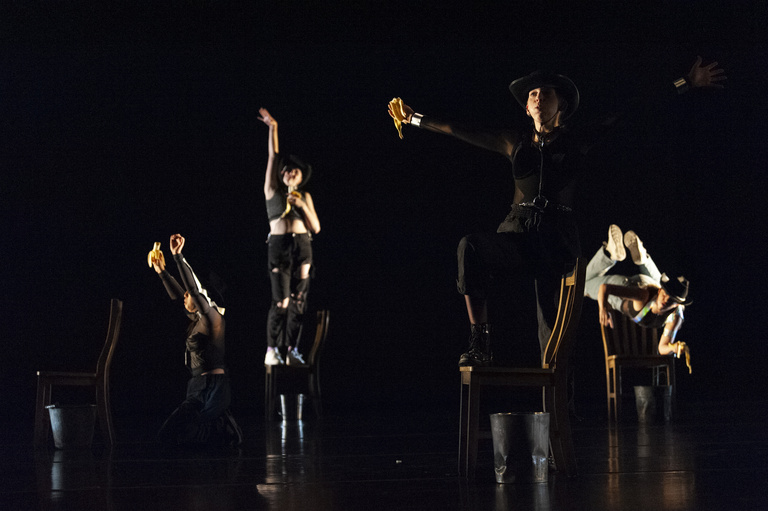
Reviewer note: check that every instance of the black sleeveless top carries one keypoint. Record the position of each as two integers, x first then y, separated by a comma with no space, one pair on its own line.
276,206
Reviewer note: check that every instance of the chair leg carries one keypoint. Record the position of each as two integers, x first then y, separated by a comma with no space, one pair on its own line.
105,412
561,442
564,430
463,430
314,390
42,417
473,426
617,390
609,392
269,395
672,383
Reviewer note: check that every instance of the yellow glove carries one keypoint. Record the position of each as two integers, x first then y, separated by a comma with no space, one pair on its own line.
288,204
156,255
398,115
683,348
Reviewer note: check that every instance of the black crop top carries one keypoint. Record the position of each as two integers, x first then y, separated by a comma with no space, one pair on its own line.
276,206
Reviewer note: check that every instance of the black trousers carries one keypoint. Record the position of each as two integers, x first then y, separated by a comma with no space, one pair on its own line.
538,252
198,419
287,254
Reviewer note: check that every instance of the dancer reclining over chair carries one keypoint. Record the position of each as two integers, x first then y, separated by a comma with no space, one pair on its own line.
650,298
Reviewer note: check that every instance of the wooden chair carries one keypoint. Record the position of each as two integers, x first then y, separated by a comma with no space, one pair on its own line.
46,380
552,377
630,345
291,379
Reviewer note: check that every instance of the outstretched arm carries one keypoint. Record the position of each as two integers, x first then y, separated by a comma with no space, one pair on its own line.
190,282
175,291
706,76
496,141
273,148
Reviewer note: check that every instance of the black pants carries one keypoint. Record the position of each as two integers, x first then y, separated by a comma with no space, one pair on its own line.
539,252
199,418
287,254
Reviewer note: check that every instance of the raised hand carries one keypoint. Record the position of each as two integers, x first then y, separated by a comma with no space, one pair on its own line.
266,118
706,76
177,243
156,259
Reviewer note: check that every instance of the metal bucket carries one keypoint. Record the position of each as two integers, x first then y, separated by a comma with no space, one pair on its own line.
653,403
291,406
72,425
520,447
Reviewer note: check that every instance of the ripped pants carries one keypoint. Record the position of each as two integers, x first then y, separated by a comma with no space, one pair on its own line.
287,254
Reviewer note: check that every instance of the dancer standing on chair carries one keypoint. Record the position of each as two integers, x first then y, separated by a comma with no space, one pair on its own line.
649,298
204,417
538,238
292,222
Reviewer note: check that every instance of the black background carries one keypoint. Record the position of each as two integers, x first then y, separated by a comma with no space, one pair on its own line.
122,125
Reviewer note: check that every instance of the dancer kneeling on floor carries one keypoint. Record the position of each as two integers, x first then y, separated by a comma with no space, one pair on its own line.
204,417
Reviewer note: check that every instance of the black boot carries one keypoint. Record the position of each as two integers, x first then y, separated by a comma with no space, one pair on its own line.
479,353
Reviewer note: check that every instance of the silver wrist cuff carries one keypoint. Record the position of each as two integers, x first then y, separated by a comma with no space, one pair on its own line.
416,120
681,85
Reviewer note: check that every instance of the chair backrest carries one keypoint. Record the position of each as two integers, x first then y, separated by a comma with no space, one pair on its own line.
113,334
629,339
568,315
321,333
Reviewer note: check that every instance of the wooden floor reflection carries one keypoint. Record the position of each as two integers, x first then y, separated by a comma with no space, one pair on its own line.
712,457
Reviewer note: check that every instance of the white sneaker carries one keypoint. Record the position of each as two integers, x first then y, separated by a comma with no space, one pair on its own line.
273,358
294,358
615,244
636,248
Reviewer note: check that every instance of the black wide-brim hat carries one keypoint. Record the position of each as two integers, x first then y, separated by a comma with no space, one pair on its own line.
676,288
294,162
565,88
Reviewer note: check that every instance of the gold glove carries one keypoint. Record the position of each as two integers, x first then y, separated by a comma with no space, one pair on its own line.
156,255
683,348
398,115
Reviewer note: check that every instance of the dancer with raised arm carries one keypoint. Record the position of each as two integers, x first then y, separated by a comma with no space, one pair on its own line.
292,222
203,418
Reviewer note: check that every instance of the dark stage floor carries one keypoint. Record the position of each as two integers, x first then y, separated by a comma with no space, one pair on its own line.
711,456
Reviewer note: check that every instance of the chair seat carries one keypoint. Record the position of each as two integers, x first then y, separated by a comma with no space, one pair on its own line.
525,376
641,360
64,374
